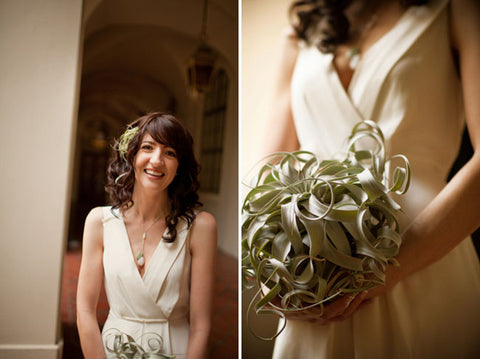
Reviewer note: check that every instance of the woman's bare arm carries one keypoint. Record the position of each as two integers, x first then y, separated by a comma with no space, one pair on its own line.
281,129
203,246
89,286
455,212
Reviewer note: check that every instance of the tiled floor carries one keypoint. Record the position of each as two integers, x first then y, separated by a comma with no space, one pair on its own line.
224,342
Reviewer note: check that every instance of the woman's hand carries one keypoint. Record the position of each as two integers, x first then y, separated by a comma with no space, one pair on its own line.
340,309
346,305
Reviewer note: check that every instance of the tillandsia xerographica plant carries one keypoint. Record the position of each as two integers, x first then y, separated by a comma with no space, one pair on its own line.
125,139
120,345
315,229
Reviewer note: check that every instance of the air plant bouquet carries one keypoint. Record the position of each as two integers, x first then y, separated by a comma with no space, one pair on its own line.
120,345
315,229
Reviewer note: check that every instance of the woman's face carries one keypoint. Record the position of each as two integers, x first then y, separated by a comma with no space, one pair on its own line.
155,164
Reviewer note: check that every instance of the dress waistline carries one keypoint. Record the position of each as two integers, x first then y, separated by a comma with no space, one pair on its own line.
147,320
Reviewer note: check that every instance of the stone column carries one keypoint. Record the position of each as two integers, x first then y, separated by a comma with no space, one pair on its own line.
40,44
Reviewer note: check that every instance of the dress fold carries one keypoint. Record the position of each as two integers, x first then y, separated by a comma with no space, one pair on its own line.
155,306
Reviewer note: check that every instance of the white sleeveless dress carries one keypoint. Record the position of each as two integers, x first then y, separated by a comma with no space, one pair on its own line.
158,302
407,84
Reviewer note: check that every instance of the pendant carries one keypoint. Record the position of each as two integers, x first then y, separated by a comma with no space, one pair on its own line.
139,256
140,259
353,55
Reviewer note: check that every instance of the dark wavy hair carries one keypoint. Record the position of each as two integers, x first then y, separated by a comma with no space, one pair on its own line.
169,131
323,23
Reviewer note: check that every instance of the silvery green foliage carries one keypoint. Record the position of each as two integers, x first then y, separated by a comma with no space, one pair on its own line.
314,229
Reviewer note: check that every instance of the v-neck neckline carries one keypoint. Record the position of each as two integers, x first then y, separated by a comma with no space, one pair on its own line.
365,55
132,254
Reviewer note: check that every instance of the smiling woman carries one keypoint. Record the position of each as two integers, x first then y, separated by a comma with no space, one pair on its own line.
154,249
165,131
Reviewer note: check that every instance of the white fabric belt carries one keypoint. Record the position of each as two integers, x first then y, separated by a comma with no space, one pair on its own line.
147,320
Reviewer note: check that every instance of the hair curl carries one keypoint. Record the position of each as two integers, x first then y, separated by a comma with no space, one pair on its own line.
323,23
167,130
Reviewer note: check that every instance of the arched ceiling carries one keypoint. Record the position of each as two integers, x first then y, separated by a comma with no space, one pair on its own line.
146,50
183,17
155,39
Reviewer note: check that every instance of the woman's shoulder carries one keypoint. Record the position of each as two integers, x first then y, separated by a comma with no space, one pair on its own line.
464,18
288,51
97,216
289,40
204,220
204,231
93,232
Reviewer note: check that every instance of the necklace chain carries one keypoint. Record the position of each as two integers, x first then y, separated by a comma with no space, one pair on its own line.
139,256
353,53
155,221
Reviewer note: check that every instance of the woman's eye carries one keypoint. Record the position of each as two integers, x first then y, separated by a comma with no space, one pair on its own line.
171,153
146,147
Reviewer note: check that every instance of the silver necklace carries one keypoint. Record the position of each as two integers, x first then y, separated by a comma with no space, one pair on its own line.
353,53
139,256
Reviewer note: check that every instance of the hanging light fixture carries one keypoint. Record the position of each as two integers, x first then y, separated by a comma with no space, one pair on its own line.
201,64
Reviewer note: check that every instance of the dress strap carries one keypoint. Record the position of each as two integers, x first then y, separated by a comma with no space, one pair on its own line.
109,214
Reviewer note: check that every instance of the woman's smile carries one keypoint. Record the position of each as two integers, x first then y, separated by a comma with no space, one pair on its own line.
154,173
158,162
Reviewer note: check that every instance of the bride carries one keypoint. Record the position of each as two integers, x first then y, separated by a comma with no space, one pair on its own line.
411,67
152,248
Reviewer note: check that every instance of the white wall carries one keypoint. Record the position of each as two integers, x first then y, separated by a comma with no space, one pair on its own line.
262,25
39,64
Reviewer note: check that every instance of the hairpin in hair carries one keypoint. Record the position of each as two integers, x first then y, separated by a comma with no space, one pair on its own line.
120,177
125,139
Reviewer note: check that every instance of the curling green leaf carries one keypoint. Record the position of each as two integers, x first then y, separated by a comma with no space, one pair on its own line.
314,229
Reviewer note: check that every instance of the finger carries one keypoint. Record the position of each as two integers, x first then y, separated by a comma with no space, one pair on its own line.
311,315
339,306
354,305
305,318
306,314
366,302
